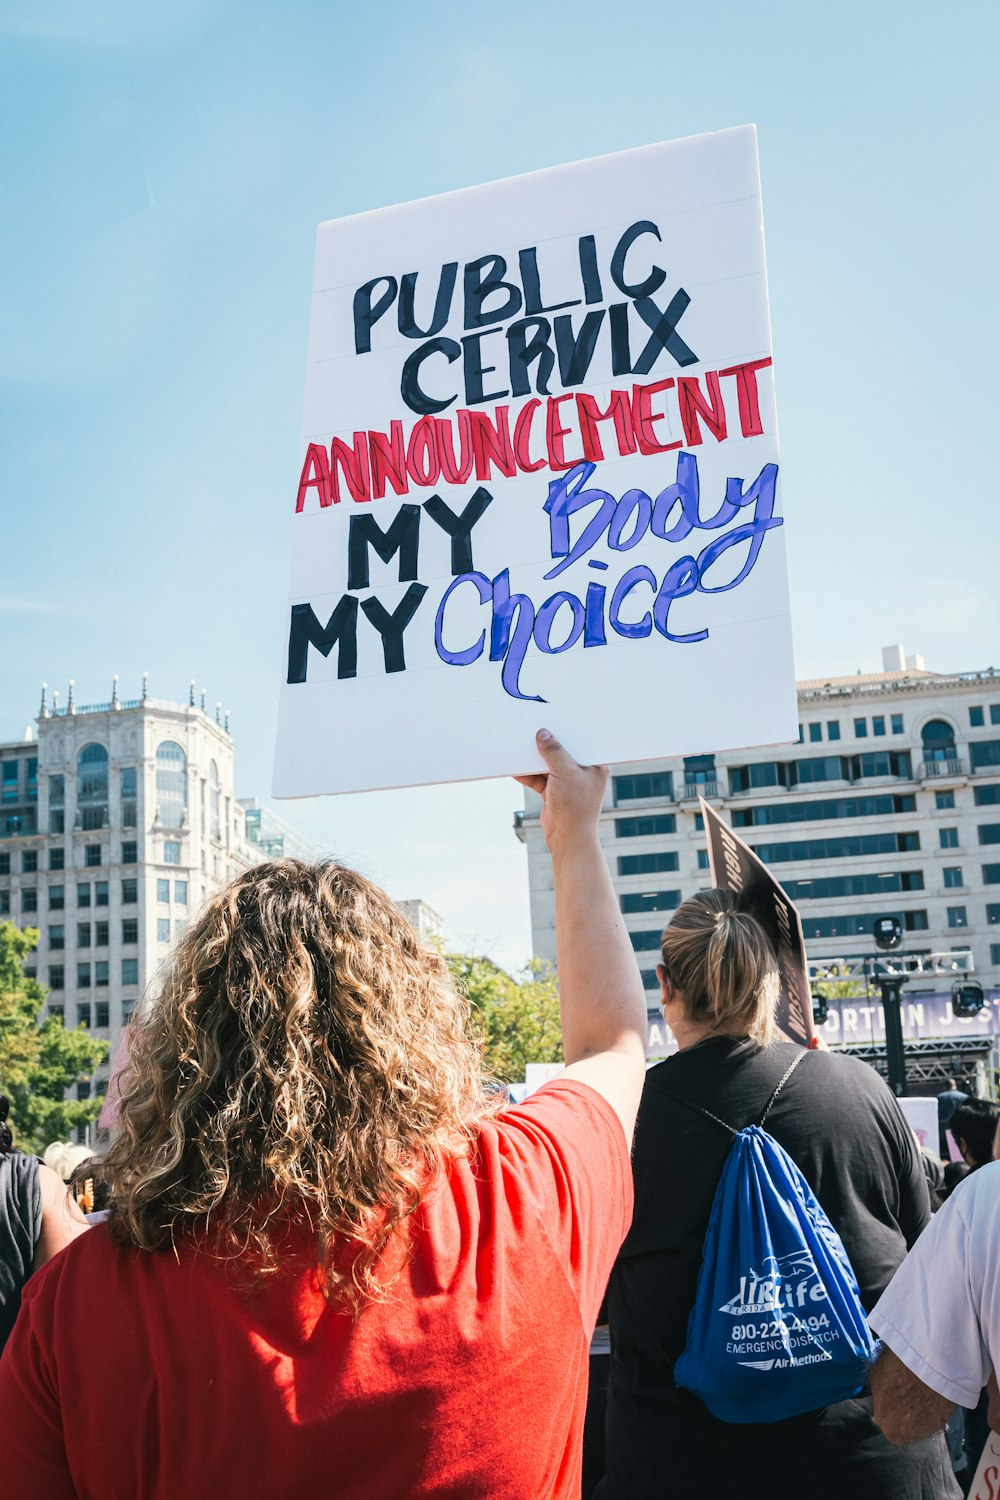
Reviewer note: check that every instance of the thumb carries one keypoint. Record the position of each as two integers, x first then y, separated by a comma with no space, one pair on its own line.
557,759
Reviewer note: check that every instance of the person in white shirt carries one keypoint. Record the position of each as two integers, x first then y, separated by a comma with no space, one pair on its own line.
939,1317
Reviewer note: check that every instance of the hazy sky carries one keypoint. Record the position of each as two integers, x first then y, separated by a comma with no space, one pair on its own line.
163,168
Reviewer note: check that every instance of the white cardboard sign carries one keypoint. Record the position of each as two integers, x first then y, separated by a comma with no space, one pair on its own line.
539,479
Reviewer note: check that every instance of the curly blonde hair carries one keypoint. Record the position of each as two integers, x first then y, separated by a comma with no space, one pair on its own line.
306,1065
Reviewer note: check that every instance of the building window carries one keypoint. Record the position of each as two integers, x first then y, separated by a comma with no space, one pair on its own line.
213,799
650,784
102,1017
991,874
128,781
130,929
57,859
179,926
957,916
878,727
57,977
948,838
163,929
171,852
983,796
897,723
647,864
848,847
833,729
10,781
83,976
857,925
181,892
943,801
83,934
636,901
952,877
645,942
128,1006
130,971
83,1019
4,864
57,937
861,729
58,1013
163,891
989,833
635,828
57,804
995,953
993,912
703,859
976,719
100,893
130,891
130,852
995,713
101,934
938,740
29,862
29,899
57,897
815,733
171,784
92,787
92,856
985,753
101,973
833,887
83,893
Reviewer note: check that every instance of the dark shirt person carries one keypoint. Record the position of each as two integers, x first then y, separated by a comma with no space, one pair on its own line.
844,1129
947,1103
973,1125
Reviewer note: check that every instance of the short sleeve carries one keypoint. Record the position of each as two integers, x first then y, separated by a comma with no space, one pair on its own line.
573,1159
34,1448
930,1313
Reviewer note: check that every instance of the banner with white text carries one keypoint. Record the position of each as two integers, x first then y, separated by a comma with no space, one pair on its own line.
539,479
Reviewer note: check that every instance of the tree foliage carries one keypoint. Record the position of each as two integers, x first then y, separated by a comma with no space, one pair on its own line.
39,1062
518,1016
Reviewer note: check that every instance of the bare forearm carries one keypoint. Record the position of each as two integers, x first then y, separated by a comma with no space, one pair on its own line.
904,1407
603,1007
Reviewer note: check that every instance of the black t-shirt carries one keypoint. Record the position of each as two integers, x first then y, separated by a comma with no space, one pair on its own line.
842,1127
20,1227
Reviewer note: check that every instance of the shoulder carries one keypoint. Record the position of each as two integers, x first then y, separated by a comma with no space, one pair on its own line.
563,1108
976,1200
86,1262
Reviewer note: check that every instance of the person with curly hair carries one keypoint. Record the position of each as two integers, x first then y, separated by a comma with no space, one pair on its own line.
37,1219
335,1263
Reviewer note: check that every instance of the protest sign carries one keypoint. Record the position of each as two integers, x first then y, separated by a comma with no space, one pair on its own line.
538,482
736,868
986,1480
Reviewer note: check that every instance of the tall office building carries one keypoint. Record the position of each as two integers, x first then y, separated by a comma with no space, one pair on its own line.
888,805
116,821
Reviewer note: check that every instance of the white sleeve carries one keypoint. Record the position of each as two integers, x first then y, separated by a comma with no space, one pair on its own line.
930,1315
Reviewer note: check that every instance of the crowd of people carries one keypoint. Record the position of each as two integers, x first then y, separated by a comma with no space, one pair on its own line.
335,1262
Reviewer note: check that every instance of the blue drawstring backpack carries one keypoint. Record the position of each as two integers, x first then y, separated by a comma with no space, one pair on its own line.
777,1327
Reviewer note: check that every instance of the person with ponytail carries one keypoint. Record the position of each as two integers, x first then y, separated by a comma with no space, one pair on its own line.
37,1218
844,1130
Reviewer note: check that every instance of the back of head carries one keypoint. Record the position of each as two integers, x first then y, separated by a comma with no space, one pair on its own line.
63,1158
975,1122
305,1064
719,958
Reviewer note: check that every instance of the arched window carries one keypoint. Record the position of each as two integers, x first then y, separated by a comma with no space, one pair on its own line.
213,805
938,741
92,787
171,784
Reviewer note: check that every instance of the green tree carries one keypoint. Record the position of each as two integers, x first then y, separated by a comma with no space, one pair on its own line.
39,1062
519,1017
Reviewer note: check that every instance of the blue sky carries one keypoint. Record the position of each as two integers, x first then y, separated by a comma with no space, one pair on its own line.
164,167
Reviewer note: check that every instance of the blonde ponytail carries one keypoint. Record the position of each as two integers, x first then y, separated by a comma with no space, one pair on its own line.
718,957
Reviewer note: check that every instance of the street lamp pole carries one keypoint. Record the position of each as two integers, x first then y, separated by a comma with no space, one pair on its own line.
891,988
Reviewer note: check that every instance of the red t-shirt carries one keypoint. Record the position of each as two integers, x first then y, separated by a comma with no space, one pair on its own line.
136,1376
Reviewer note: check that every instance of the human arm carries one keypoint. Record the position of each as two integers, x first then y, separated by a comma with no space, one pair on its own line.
934,1318
600,993
62,1220
904,1407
